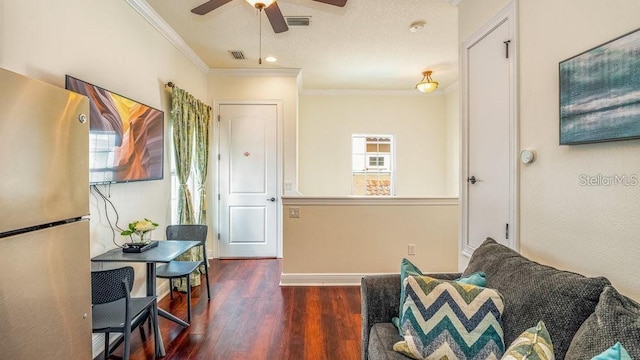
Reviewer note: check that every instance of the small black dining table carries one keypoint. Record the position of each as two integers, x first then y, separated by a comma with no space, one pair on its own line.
166,251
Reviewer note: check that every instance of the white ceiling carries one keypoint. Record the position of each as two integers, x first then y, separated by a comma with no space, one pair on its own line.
366,45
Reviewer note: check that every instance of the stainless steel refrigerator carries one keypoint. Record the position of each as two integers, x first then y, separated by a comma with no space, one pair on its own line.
45,280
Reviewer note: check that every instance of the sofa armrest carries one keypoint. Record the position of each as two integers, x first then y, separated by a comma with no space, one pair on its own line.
380,301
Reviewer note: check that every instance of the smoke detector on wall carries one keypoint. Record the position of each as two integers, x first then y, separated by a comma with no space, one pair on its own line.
417,26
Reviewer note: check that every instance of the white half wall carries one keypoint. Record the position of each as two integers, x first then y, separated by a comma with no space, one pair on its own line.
336,240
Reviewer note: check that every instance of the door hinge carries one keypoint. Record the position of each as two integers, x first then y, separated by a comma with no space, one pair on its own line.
218,118
218,236
506,44
507,232
218,196
218,157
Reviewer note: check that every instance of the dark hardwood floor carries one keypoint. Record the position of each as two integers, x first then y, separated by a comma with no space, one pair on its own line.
251,317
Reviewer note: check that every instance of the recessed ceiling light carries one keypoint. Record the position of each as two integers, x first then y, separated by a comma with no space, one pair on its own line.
270,59
417,26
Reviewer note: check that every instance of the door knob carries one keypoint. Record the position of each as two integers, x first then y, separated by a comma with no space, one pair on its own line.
472,180
272,199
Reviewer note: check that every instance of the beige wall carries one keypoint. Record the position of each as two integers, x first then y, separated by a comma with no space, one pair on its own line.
588,229
342,236
417,122
244,86
452,141
109,44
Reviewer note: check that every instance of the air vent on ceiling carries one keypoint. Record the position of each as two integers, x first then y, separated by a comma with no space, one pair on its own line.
237,54
298,20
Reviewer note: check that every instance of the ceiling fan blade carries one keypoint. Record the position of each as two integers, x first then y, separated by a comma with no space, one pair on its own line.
340,3
209,6
278,23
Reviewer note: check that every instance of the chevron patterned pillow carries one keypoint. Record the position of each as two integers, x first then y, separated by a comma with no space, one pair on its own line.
448,320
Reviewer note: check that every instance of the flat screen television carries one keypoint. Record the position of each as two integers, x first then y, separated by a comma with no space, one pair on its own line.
126,138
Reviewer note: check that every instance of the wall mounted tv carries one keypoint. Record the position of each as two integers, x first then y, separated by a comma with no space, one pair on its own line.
126,138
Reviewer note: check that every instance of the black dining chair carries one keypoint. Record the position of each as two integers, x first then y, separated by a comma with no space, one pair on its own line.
182,269
114,310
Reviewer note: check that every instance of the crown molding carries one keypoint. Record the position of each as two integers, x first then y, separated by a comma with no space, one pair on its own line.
255,72
451,88
153,18
365,92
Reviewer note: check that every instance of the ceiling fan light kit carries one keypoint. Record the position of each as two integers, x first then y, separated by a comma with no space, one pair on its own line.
271,8
426,84
260,4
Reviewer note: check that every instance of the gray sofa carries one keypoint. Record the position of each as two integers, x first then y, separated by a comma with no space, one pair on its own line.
584,315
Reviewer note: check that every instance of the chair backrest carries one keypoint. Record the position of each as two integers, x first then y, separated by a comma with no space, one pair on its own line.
187,232
111,285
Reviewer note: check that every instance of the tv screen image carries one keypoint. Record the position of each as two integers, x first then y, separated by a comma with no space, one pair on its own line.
126,138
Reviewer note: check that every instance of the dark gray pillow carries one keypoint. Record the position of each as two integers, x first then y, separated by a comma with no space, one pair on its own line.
534,292
617,318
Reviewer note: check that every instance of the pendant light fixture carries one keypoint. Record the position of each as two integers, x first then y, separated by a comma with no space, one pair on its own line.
260,5
426,84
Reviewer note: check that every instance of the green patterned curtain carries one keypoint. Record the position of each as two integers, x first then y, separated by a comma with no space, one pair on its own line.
191,119
183,116
203,118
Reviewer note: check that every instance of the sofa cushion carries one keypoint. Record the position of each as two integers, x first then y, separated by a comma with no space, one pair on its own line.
617,318
381,340
449,319
533,344
534,292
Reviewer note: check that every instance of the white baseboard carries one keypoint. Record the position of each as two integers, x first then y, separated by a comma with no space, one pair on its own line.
329,279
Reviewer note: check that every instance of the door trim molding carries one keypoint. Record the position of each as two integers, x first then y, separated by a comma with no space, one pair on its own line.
279,166
508,13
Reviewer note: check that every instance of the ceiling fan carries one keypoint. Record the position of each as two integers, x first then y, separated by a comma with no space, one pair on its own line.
278,23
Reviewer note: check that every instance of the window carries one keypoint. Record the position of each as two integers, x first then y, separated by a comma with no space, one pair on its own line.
372,165
192,185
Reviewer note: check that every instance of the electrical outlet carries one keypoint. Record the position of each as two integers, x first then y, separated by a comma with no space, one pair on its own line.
294,212
288,185
411,249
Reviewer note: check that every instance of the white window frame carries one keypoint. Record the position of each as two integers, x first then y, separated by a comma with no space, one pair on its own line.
386,168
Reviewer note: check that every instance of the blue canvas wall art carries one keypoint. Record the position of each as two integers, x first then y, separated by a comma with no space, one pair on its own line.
600,93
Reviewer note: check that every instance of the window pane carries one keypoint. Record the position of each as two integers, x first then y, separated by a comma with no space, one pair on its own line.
372,168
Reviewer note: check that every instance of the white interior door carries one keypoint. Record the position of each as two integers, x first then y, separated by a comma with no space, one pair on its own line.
489,170
248,197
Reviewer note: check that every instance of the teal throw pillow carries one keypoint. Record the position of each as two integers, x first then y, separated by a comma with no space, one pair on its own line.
479,279
448,319
406,268
616,352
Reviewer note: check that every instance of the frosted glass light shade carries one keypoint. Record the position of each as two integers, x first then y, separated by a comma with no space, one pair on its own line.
260,3
426,84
